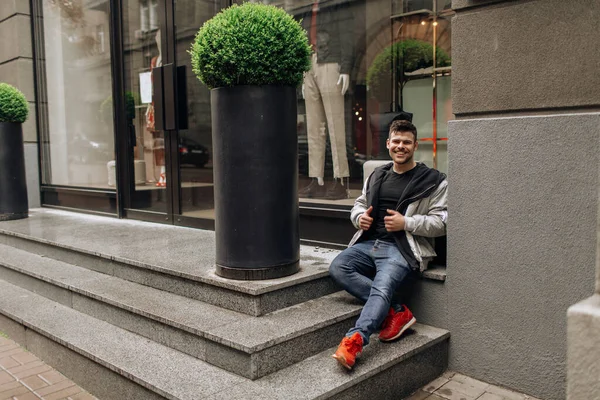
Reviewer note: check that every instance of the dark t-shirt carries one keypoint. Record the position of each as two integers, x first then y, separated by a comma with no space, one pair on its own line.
392,187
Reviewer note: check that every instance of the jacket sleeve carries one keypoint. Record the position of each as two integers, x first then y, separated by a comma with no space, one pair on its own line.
360,206
432,224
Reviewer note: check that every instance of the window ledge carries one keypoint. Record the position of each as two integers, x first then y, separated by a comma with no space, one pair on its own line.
435,272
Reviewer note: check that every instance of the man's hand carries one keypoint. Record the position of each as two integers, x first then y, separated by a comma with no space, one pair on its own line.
394,221
365,220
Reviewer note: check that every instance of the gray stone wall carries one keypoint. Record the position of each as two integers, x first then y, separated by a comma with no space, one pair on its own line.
16,68
523,166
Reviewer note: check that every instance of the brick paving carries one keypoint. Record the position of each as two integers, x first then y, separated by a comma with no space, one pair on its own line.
23,376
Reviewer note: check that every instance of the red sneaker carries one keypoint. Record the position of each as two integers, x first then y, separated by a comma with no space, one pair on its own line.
348,350
398,323
386,322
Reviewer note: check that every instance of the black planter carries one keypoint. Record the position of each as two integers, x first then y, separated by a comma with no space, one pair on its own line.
13,186
255,161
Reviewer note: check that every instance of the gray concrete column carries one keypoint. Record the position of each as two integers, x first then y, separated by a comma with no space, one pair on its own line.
523,200
16,68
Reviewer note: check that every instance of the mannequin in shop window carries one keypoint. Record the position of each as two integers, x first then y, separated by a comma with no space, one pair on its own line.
329,27
156,143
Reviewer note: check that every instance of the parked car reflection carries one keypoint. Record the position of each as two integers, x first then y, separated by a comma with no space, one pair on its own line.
192,152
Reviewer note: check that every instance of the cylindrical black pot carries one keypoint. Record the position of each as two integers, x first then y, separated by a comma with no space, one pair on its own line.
255,161
13,186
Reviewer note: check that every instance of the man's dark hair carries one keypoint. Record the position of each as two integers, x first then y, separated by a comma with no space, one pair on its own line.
403,125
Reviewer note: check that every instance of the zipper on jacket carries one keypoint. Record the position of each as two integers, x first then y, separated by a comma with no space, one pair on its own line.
415,197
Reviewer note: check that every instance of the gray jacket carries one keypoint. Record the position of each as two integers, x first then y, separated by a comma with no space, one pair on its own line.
425,218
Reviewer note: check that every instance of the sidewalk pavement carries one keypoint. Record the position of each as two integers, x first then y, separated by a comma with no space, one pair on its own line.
454,386
25,377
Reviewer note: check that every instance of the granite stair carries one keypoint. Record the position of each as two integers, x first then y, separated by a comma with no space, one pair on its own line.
126,324
190,278
249,346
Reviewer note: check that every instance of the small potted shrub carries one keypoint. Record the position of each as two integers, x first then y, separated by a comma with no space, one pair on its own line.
13,185
253,58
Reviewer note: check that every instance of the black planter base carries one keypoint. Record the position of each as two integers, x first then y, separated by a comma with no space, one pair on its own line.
252,274
9,217
13,182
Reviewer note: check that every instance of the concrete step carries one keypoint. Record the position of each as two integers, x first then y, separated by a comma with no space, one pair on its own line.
248,346
171,258
113,363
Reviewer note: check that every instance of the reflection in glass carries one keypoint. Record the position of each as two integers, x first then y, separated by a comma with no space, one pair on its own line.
195,139
409,75
78,136
329,26
390,66
142,52
331,101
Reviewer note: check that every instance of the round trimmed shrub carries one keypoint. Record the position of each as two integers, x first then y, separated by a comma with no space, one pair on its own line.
414,54
251,44
13,104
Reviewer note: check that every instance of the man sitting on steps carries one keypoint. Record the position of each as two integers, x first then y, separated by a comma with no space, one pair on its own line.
403,205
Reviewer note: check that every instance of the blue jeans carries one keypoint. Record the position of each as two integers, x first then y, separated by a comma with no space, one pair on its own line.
371,271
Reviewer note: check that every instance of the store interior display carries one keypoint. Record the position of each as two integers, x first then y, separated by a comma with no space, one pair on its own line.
154,144
328,26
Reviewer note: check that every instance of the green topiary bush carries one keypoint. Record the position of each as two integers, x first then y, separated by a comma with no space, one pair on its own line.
251,44
13,104
414,54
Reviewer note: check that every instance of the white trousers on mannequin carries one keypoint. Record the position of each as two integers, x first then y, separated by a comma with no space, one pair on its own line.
325,103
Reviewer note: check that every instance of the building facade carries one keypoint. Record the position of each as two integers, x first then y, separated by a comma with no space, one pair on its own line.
508,106
524,158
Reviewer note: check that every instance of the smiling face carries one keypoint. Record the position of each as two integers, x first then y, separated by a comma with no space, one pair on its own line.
402,146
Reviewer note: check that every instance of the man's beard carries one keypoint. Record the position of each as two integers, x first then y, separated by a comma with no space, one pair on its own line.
408,160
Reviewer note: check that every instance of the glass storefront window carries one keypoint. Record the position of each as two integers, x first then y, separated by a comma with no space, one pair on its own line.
372,59
77,135
142,52
386,50
145,49
331,102
195,140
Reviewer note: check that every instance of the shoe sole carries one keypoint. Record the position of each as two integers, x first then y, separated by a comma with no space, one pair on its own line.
404,328
343,362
